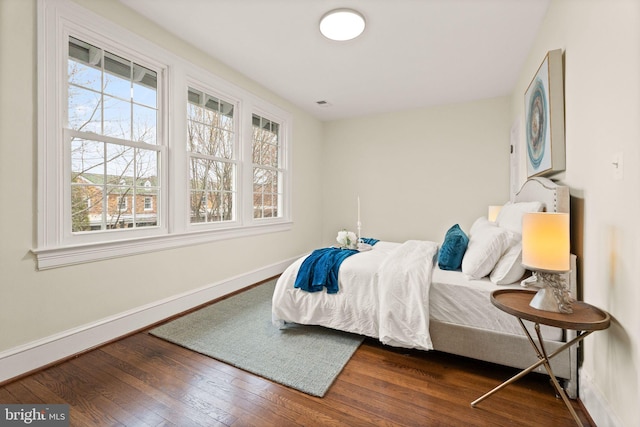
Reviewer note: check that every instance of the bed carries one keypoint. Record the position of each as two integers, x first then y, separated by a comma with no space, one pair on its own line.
397,293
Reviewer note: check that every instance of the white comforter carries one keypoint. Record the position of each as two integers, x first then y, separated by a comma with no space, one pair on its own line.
383,293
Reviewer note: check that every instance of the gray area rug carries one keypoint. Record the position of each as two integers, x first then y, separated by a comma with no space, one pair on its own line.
238,331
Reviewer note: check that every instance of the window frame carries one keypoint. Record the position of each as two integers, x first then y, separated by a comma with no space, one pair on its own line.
106,141
59,19
284,119
207,86
281,169
54,136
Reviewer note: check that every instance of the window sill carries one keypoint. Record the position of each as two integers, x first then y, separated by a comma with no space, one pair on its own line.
72,255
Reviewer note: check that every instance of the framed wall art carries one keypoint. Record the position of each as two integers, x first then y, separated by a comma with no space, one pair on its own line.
544,118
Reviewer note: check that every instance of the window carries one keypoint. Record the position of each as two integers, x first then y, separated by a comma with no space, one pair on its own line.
267,170
112,121
114,179
121,206
211,145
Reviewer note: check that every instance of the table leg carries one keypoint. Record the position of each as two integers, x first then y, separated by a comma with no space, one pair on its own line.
507,382
521,374
543,360
554,380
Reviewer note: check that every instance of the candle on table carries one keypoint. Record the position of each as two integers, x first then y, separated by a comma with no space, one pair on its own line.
359,224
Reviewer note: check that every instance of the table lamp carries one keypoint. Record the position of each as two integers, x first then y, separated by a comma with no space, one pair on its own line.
546,252
493,212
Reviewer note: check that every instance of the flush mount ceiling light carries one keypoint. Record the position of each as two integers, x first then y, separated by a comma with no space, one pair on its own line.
342,24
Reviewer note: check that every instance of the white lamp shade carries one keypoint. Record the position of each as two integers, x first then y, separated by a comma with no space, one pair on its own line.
342,24
492,215
545,241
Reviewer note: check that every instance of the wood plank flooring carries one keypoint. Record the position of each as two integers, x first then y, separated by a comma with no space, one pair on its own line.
142,380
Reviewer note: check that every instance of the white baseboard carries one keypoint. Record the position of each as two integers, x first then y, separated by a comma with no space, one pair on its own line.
595,403
29,357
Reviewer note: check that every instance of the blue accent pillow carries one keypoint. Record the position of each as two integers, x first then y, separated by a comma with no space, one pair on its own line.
453,249
369,240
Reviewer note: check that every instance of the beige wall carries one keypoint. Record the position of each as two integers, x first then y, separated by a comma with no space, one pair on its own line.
35,305
417,172
601,44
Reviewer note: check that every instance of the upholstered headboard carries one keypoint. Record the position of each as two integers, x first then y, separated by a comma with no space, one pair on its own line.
555,197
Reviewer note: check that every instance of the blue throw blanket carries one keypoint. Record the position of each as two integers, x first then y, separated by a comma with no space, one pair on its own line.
320,269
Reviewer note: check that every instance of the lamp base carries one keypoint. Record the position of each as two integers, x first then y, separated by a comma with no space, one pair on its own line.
544,300
553,294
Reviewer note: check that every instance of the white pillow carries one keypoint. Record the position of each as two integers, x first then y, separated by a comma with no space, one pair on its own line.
487,243
509,268
479,224
510,216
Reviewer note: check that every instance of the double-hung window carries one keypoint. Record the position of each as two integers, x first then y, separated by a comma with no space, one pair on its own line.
212,148
112,122
267,168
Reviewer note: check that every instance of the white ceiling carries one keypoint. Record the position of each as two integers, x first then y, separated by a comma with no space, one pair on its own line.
413,53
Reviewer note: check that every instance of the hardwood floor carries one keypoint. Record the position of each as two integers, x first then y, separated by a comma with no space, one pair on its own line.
142,380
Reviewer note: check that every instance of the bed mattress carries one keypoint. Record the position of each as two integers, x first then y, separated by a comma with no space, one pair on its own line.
457,300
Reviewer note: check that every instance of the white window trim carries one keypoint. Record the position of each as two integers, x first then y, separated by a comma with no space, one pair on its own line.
55,18
209,84
264,110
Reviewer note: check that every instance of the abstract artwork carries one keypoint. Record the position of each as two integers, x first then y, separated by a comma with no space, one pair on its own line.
544,118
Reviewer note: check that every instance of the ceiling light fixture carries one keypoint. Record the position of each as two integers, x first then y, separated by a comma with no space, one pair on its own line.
342,24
